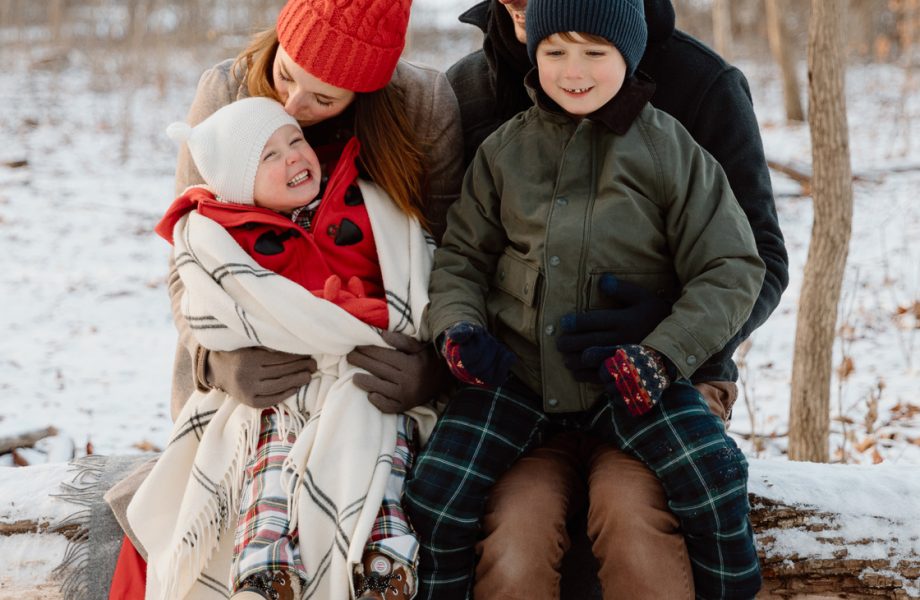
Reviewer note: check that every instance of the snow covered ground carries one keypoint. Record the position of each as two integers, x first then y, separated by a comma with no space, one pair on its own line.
86,337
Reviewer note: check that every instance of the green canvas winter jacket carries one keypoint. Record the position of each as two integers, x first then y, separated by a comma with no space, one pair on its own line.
550,203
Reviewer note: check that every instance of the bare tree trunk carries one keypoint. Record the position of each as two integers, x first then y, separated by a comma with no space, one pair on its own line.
910,21
722,28
55,19
778,36
809,419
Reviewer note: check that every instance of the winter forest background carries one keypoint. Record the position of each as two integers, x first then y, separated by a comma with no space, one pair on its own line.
87,88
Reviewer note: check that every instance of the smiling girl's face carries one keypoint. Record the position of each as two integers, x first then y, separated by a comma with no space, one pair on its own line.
306,98
289,173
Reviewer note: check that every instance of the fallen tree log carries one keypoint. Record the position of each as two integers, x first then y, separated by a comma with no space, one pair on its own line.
837,529
823,531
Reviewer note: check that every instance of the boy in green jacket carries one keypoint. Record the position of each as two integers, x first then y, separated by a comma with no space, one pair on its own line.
590,181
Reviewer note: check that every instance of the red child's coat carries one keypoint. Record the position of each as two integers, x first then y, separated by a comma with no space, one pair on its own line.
339,246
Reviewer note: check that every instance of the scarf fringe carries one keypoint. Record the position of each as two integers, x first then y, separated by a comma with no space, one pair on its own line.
201,541
292,473
82,490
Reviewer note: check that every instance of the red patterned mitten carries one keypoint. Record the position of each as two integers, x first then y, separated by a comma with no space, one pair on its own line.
638,375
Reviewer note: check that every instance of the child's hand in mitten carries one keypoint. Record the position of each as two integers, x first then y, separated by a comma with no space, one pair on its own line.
638,375
474,356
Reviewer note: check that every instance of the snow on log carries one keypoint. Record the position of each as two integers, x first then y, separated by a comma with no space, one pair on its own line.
837,529
824,531
34,530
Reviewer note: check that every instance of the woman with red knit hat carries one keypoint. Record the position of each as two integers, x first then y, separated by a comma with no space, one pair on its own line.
334,65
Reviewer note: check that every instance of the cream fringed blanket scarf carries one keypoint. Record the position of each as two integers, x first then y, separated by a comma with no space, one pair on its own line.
186,511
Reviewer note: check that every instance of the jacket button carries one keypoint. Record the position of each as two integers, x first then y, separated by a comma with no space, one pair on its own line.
501,275
691,360
553,402
554,261
562,201
550,330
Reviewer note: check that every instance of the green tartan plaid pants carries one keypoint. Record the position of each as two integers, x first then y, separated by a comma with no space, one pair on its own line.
484,431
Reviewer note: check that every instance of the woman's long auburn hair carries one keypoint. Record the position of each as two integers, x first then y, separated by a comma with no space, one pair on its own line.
389,151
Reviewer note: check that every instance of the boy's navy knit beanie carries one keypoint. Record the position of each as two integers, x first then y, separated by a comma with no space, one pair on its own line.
621,22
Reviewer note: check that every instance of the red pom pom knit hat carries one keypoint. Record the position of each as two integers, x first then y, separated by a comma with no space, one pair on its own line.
350,44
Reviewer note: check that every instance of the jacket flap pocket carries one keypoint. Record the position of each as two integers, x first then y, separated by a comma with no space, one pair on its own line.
518,278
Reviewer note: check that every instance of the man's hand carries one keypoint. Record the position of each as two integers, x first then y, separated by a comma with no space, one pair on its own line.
257,377
400,379
637,313
475,357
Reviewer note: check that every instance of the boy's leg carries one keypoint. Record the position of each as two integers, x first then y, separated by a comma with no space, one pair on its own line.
477,439
391,553
524,526
704,476
635,536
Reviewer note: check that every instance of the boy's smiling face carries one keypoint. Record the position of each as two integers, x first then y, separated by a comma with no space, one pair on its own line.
288,175
581,75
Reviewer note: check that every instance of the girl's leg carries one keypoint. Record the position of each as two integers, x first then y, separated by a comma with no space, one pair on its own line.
480,435
391,554
266,557
704,475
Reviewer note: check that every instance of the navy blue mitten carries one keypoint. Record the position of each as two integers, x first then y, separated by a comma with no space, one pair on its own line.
636,314
474,356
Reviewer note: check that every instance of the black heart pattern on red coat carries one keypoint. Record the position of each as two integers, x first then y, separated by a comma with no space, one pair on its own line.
271,243
347,233
353,196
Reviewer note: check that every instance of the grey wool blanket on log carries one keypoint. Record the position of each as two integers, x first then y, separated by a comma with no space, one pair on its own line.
92,552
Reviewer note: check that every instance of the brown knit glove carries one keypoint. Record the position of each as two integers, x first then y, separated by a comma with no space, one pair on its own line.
400,379
256,377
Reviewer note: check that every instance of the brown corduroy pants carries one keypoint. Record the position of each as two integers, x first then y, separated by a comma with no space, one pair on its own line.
635,537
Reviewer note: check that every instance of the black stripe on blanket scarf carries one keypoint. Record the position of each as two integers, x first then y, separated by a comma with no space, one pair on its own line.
194,424
322,569
203,322
341,539
217,586
308,484
404,310
327,506
239,269
247,326
204,481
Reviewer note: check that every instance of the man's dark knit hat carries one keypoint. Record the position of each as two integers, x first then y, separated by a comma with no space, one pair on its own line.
621,22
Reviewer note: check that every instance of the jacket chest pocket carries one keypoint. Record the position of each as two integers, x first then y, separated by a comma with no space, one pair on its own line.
512,303
661,283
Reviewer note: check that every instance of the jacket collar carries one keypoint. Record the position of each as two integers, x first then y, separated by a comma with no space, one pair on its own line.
617,115
478,15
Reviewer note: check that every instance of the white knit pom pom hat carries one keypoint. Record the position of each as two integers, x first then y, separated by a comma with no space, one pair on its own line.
227,145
